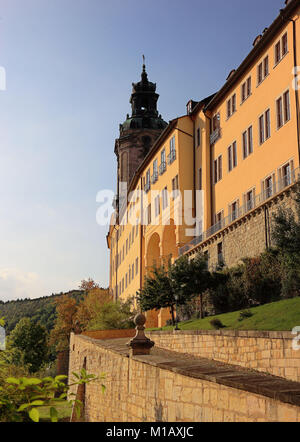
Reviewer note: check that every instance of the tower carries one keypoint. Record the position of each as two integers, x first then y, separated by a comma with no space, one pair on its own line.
138,132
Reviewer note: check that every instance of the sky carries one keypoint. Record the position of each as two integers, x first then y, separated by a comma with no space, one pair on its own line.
69,68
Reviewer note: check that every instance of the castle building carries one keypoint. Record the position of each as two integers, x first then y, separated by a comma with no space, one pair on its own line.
211,179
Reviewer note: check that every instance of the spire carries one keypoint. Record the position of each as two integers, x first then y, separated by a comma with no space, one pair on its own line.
144,73
143,100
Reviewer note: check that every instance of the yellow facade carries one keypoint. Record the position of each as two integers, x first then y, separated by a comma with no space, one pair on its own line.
239,147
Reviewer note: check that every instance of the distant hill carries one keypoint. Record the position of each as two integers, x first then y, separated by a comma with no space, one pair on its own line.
40,310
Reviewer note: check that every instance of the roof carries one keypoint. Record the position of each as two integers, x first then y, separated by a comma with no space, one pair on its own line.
257,49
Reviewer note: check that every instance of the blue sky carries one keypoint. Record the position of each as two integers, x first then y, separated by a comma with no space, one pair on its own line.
69,67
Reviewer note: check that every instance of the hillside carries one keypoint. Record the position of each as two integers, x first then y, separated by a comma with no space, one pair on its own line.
38,310
280,315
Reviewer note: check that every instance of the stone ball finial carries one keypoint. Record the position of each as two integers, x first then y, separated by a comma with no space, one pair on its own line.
140,319
140,344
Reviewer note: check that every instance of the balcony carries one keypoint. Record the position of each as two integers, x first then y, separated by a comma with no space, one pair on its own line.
162,168
215,135
171,157
254,202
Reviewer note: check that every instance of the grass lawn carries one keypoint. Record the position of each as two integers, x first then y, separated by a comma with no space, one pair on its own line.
64,412
280,315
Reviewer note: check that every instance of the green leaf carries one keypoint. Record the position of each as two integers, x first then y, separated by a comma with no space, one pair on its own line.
23,407
47,379
12,381
53,414
76,375
31,381
103,388
37,402
34,414
60,377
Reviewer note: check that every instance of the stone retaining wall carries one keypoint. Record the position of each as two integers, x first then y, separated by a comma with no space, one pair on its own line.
138,389
267,351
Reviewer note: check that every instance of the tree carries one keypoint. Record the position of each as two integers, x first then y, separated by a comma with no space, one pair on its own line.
113,315
286,236
66,322
31,340
88,284
200,278
168,286
89,308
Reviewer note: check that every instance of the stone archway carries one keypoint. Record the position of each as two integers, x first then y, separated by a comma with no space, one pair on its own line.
153,256
169,248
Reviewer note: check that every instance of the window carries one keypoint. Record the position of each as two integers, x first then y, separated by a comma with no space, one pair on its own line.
280,49
262,70
218,169
247,142
126,280
175,187
246,89
234,211
231,106
249,200
219,220
284,45
126,246
172,145
286,106
132,271
283,109
136,266
172,154
122,285
216,122
277,53
268,187
155,172
165,198
232,156
286,173
264,127
129,275
147,184
157,205
162,166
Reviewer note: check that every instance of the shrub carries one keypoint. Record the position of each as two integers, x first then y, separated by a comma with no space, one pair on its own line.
217,324
245,314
